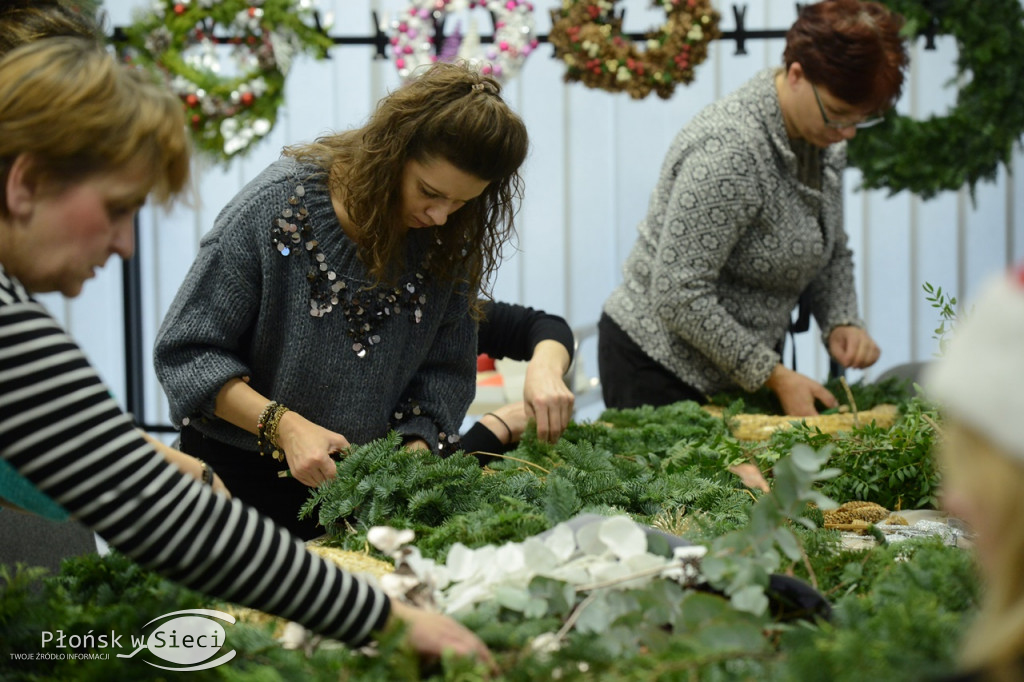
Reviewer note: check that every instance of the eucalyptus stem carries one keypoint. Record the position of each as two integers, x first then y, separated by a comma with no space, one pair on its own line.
626,578
575,616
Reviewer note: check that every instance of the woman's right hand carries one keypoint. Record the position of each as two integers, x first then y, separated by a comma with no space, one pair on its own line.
797,392
431,634
308,448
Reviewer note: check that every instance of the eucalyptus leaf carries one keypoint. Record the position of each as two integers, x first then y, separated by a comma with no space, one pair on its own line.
807,459
515,598
596,617
623,537
750,599
788,542
734,636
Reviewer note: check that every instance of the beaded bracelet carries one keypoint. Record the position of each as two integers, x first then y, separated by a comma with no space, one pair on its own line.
261,422
266,429
271,431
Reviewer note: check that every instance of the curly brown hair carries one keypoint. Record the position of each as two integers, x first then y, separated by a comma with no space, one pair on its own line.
853,48
452,113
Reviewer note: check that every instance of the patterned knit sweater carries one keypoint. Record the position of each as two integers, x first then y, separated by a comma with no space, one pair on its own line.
731,238
277,293
61,430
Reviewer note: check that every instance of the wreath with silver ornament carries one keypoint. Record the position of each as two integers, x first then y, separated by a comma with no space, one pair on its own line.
414,36
227,60
588,37
969,143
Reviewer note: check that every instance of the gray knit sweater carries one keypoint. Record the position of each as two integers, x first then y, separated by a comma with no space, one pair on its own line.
731,238
301,324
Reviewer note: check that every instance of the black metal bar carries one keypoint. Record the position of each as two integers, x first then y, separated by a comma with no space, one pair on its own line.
740,34
739,13
131,282
929,32
134,377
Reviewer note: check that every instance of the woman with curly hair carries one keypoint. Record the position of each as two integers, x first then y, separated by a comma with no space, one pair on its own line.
335,298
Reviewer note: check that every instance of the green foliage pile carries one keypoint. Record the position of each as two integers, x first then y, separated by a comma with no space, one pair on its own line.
672,460
101,595
898,610
901,613
892,391
650,463
893,467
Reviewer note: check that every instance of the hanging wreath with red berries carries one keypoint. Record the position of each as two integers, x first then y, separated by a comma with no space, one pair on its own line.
588,37
227,60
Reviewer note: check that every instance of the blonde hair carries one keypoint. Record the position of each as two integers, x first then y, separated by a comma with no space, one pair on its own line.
994,481
452,113
27,21
75,111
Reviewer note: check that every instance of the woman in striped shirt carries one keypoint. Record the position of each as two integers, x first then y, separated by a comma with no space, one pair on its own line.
83,142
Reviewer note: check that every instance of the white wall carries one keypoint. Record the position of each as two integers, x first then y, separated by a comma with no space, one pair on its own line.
594,159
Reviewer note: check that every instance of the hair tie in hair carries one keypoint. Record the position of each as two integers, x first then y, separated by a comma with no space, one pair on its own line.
485,87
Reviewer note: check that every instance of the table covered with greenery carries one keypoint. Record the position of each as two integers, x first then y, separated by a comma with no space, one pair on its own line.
898,609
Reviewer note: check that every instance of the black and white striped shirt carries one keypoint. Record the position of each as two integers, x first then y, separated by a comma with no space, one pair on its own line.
60,429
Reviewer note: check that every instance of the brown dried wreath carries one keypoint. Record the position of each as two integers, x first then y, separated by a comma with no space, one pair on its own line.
588,37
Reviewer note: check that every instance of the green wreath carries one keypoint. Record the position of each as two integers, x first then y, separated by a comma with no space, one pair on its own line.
185,40
588,37
967,144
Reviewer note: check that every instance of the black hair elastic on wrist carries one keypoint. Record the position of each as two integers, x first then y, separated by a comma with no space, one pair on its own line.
503,423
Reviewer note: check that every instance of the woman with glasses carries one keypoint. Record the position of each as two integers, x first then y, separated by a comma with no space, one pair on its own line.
746,217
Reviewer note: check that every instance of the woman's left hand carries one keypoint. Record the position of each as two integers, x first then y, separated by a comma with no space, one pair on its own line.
853,347
548,400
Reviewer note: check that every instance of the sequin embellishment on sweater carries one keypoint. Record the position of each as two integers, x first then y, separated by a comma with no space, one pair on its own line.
362,307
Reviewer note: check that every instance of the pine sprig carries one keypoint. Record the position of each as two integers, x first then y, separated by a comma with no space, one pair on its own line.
380,482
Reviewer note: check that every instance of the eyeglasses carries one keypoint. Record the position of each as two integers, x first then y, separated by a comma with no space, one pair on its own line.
840,125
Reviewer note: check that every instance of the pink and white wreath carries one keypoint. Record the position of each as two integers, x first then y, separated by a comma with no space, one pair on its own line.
413,39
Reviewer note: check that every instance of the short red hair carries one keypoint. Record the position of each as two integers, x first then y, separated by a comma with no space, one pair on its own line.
852,48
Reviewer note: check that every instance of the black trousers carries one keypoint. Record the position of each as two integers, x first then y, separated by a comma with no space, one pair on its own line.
253,479
631,378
